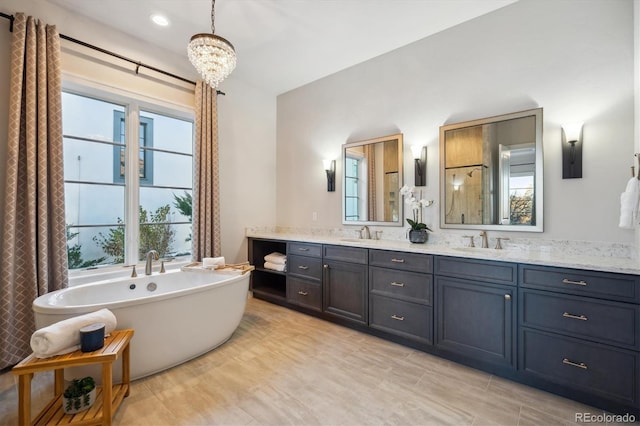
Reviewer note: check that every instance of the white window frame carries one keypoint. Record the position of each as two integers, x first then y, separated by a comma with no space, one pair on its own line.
133,102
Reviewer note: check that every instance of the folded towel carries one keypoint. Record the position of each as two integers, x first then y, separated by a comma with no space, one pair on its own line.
64,336
275,266
629,204
277,258
212,262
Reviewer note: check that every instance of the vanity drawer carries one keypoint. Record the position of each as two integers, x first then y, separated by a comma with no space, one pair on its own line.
402,318
586,283
309,267
602,321
410,286
305,249
603,370
400,260
345,254
477,270
304,293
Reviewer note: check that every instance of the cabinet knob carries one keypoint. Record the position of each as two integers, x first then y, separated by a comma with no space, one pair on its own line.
507,297
325,266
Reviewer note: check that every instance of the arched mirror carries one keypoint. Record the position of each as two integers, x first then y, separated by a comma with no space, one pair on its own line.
491,173
372,181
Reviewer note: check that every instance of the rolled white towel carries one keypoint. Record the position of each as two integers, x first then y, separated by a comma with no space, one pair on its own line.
629,204
212,262
64,336
274,266
277,258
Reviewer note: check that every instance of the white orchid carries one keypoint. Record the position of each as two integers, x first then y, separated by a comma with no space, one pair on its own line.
416,204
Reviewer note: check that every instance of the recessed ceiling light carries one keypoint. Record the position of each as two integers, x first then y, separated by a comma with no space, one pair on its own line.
160,20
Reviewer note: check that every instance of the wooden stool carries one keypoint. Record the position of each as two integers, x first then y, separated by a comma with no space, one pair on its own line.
111,395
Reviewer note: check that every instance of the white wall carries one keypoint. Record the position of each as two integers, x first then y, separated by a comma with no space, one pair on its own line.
574,58
246,116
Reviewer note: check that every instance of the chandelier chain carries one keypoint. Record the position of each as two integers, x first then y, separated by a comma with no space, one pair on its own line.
213,16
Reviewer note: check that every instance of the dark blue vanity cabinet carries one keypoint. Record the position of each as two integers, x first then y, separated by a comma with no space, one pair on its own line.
475,311
401,294
568,331
580,334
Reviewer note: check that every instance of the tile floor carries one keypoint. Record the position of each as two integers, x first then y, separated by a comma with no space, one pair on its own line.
286,368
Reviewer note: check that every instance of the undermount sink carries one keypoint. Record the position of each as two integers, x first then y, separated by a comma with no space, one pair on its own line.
478,250
357,240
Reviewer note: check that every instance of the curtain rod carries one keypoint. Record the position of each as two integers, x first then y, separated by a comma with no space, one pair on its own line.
138,64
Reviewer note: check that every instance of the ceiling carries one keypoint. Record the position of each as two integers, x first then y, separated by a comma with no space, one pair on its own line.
284,44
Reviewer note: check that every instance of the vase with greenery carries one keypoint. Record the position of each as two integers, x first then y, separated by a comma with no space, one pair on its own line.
419,230
79,395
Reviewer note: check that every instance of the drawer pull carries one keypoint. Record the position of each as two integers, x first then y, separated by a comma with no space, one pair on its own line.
304,268
303,249
397,260
395,284
578,317
397,318
303,293
575,364
507,297
567,281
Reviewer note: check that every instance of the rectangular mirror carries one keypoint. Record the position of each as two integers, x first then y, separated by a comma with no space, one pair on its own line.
372,181
491,173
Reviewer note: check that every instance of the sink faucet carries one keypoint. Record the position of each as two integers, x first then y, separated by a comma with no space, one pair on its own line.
485,240
151,256
366,234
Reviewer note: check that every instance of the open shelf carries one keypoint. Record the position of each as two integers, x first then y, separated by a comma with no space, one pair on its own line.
267,283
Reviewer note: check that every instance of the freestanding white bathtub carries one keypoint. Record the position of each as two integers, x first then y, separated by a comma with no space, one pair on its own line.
176,315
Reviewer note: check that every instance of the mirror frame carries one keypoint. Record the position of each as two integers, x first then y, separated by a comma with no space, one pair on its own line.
539,171
400,159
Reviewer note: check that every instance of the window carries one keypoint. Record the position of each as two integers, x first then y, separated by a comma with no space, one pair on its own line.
117,210
145,160
352,202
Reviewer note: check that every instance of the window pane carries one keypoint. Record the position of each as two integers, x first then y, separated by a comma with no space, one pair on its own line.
159,212
172,170
85,161
88,117
170,133
93,204
169,240
153,199
93,246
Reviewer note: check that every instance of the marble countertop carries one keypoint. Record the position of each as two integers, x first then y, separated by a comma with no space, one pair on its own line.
534,257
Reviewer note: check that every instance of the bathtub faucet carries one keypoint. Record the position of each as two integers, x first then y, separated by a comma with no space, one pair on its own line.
151,256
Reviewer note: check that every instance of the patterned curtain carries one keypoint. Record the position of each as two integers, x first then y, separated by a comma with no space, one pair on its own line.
206,198
33,255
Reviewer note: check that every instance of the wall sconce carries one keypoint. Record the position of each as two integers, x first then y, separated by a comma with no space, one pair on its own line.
420,160
330,168
572,151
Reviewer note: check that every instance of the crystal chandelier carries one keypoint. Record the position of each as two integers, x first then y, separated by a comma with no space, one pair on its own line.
213,57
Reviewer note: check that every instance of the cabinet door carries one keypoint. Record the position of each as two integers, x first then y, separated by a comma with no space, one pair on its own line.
476,320
345,290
